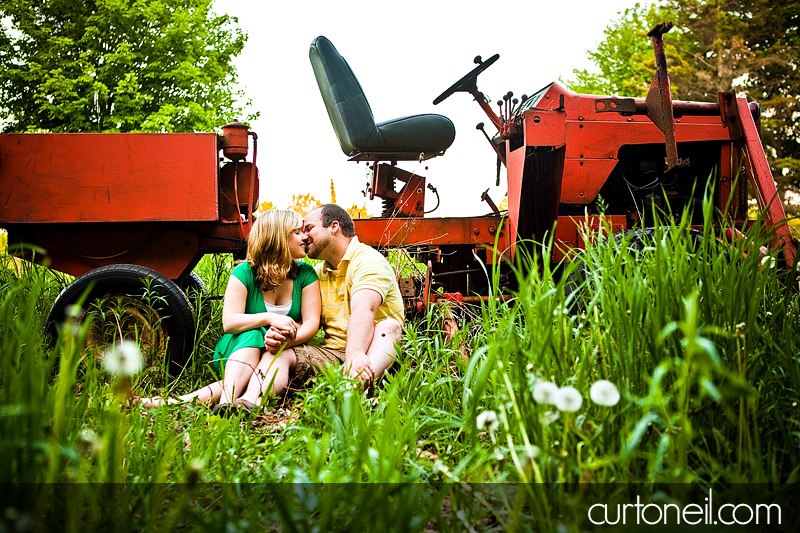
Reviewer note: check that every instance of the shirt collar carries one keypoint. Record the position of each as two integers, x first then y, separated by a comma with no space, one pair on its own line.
348,255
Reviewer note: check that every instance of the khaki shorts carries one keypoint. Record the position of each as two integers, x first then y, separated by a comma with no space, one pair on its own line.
311,358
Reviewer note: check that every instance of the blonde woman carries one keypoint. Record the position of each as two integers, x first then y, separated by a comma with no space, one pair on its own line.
271,289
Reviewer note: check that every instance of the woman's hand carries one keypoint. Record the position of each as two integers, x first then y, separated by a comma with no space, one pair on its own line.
284,324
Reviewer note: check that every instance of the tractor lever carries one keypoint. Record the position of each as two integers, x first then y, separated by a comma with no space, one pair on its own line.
658,105
485,197
500,156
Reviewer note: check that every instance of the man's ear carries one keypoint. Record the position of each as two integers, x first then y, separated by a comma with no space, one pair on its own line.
335,227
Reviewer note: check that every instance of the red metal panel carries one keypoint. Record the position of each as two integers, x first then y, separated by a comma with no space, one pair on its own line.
583,179
543,127
568,238
90,177
758,169
170,249
515,168
602,139
389,232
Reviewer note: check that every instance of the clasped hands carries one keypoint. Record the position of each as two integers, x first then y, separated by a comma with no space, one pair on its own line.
279,334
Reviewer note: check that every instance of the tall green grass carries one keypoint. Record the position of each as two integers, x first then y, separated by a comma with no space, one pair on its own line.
699,336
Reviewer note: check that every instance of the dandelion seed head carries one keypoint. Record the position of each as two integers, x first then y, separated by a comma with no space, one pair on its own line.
90,443
604,392
532,451
73,311
487,420
568,399
123,359
71,328
545,392
550,417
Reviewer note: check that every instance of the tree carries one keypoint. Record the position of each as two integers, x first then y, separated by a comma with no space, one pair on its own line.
625,57
117,66
752,46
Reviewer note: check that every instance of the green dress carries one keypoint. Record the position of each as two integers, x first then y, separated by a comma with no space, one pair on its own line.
254,338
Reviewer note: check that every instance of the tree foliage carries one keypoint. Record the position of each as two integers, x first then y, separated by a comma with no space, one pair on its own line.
117,66
305,203
625,57
752,46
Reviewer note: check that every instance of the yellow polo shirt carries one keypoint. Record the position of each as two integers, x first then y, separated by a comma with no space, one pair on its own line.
361,267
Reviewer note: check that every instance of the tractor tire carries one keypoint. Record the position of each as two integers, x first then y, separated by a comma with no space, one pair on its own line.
194,288
160,320
578,288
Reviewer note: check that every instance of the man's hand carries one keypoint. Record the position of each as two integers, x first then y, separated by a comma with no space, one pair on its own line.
275,339
359,366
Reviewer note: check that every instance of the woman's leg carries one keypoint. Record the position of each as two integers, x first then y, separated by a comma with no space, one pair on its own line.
209,393
272,370
238,371
202,395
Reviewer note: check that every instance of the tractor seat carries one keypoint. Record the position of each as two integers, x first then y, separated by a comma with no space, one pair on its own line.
401,139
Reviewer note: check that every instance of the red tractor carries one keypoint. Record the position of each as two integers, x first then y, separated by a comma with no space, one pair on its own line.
131,214
562,151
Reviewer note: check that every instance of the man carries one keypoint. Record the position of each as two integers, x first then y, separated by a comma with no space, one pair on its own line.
362,308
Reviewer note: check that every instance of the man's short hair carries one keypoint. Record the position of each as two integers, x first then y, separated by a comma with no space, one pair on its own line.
333,212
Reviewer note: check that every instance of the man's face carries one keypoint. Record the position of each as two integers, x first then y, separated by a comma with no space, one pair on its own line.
316,238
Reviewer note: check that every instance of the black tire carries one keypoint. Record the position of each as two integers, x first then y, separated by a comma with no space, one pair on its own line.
165,319
578,287
193,286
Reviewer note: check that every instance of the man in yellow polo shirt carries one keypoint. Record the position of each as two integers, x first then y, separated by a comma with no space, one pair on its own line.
362,308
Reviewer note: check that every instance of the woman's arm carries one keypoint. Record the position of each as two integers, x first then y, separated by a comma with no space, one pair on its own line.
235,320
310,311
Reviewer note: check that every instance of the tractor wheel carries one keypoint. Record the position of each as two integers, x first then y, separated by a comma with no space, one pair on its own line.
578,287
131,302
194,288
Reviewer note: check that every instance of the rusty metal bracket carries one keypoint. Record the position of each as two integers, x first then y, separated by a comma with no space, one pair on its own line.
623,106
728,113
659,98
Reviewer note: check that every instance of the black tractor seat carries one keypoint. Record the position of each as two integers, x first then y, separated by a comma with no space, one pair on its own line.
402,139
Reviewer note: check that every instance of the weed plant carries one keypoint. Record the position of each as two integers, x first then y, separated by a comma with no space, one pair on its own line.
498,428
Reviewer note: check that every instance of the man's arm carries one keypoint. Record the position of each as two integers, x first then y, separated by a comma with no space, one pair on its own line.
364,305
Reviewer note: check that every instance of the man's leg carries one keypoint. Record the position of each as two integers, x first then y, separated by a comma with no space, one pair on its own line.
382,348
272,369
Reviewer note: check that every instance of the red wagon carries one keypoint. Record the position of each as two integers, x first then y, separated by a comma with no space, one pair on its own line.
130,215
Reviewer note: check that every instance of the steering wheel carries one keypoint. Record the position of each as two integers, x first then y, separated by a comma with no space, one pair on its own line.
469,82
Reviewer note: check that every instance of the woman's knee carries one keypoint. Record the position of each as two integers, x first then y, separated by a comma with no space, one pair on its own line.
243,357
286,359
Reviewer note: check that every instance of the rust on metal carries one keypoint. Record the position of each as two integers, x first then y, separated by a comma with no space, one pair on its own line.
659,98
394,232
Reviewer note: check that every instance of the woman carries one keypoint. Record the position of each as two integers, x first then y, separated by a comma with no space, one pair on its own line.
271,289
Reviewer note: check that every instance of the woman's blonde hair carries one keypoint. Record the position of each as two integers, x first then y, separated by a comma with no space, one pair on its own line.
268,247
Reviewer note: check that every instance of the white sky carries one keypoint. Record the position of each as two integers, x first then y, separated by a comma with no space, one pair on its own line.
404,53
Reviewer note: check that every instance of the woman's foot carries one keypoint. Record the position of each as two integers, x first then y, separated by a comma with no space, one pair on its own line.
155,401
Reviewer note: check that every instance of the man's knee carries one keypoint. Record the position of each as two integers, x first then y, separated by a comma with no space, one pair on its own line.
388,328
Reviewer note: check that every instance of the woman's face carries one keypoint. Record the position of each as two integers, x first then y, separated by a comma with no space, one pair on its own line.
296,245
